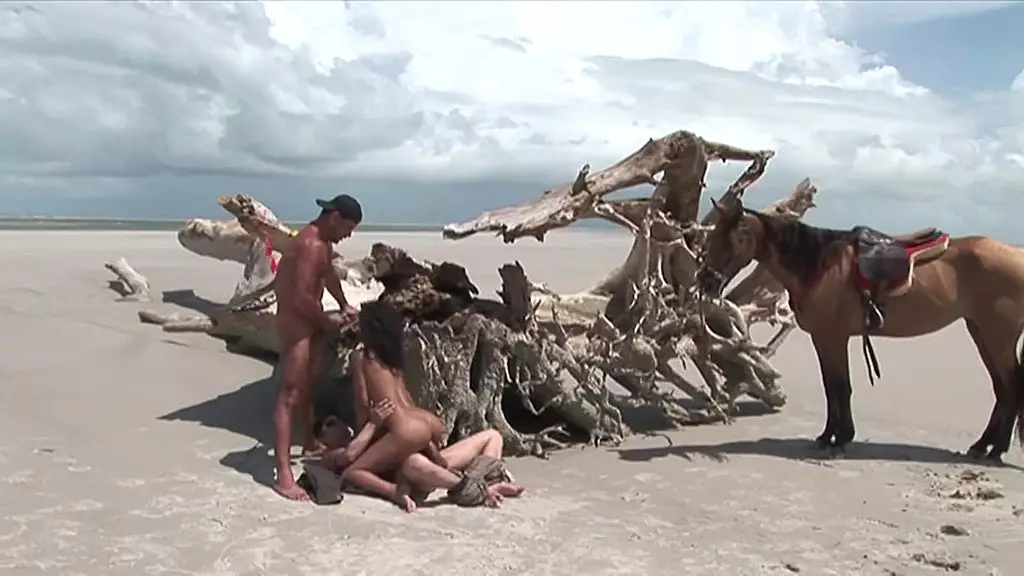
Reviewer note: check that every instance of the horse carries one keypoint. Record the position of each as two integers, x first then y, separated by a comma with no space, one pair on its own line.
840,281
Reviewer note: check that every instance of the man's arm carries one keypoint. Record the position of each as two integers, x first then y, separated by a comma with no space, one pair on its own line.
333,284
434,455
308,256
362,440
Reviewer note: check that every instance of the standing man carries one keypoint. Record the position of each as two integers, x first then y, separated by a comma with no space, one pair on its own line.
302,325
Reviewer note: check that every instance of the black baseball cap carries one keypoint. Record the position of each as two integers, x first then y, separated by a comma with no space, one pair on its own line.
346,206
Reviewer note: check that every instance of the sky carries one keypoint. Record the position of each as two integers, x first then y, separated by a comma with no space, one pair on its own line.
904,115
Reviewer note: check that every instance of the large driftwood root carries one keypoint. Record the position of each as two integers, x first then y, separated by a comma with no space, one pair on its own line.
480,363
651,318
534,364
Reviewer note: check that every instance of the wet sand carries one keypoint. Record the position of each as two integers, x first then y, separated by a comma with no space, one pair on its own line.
127,450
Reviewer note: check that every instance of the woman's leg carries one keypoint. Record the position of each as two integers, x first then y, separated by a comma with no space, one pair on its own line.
407,437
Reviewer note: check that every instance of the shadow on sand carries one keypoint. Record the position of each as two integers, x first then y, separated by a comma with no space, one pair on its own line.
188,299
803,449
248,411
648,420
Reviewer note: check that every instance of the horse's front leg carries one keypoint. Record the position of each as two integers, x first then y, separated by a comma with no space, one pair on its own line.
824,440
834,362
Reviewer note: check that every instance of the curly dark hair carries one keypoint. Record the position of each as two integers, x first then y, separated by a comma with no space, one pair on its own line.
382,331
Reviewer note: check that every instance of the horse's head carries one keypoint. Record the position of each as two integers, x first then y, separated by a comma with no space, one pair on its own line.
732,244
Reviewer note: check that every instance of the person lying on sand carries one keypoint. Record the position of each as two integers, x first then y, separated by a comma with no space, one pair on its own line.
475,475
301,325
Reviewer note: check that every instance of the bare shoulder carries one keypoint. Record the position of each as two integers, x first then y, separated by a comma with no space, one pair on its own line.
308,244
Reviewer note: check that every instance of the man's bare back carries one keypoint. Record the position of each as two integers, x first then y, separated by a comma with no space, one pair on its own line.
302,277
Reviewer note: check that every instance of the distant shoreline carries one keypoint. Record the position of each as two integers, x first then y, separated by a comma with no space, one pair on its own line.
83,224
146,225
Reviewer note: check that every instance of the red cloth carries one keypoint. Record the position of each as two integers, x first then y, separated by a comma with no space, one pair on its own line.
270,253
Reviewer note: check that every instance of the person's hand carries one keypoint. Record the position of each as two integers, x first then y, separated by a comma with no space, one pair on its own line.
349,313
336,321
380,411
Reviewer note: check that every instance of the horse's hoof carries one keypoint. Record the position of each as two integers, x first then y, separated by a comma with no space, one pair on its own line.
836,452
823,442
995,458
975,453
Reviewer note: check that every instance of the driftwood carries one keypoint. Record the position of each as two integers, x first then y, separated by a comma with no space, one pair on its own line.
131,285
531,363
651,319
177,322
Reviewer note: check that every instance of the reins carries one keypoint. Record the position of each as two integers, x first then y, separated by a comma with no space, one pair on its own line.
870,360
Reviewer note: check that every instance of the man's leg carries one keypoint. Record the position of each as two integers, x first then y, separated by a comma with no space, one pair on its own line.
485,442
294,373
424,476
306,416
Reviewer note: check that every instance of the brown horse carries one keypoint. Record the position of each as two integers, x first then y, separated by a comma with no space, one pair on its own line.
923,281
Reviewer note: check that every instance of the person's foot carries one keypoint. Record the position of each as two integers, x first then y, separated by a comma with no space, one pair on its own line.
403,496
508,489
405,502
291,491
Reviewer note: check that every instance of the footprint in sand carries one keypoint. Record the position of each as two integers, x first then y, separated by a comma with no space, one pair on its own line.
70,462
20,477
84,506
189,478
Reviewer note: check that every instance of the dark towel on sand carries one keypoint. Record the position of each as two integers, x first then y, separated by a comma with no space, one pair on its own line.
322,485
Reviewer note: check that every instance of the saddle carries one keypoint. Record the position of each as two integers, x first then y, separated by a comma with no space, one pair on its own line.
885,266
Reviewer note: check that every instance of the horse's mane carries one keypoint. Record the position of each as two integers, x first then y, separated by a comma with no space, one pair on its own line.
801,248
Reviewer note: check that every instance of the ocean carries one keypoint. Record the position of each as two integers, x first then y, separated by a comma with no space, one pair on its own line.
137,225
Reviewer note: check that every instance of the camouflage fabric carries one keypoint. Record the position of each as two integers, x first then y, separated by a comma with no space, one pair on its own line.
482,472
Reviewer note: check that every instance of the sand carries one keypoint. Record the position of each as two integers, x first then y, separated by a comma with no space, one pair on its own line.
127,450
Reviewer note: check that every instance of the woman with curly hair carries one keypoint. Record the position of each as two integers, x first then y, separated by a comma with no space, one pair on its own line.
382,445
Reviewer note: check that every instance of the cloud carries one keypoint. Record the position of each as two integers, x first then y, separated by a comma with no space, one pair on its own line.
96,99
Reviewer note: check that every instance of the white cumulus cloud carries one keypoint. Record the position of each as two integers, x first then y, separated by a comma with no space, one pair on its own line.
449,91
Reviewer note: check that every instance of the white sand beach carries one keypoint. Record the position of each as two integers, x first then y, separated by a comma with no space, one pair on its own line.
128,450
